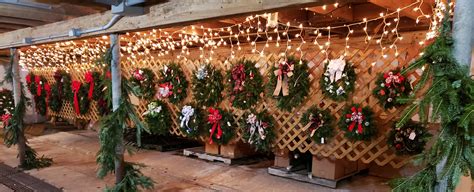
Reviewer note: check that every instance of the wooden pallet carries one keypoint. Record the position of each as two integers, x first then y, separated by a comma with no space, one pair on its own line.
301,175
200,153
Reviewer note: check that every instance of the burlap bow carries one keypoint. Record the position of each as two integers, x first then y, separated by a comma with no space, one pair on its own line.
283,73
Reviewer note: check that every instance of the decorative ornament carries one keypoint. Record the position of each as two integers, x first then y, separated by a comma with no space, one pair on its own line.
357,123
321,128
246,84
158,118
409,139
143,83
207,85
222,126
290,77
338,79
7,104
258,130
173,83
190,121
390,86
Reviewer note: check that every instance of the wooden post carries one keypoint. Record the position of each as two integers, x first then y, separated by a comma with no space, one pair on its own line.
17,96
116,97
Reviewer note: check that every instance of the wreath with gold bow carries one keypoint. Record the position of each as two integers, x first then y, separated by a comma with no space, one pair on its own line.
221,126
173,84
246,84
338,79
207,85
321,128
142,81
357,122
390,86
258,130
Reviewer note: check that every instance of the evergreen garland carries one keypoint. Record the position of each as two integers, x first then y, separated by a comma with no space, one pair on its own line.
191,121
298,84
258,130
340,89
221,126
132,179
173,84
246,84
322,126
207,85
158,117
143,83
357,122
409,139
7,104
390,86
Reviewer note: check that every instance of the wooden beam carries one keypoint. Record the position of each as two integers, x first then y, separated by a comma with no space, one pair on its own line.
393,5
11,26
167,14
343,12
30,13
26,22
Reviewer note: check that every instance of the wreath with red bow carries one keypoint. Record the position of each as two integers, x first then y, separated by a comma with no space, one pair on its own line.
222,126
173,83
321,128
94,84
55,100
258,130
143,83
207,85
289,83
390,86
409,139
63,82
246,84
40,90
81,102
357,123
7,105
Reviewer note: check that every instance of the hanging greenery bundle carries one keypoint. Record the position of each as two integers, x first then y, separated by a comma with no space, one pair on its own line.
81,102
39,89
221,126
258,130
6,101
338,79
158,118
191,121
173,83
207,85
290,77
55,102
390,86
322,127
409,139
143,83
246,84
356,121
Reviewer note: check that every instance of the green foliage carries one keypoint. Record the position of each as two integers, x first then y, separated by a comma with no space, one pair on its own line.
143,83
63,79
6,101
388,93
33,162
97,93
347,81
261,139
228,127
193,127
173,75
84,102
244,93
298,85
367,125
55,101
207,85
132,180
158,117
322,123
400,141
38,93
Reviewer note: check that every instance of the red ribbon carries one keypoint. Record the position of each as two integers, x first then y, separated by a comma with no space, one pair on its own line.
393,79
238,75
38,85
108,75
214,118
47,88
356,118
5,118
90,80
76,86
28,78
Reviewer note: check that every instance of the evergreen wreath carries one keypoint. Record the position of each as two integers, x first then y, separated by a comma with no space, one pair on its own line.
55,101
6,102
246,84
38,87
390,86
409,139
157,116
207,85
221,126
143,83
356,121
322,127
292,78
81,102
338,79
191,121
63,81
258,130
173,84
94,85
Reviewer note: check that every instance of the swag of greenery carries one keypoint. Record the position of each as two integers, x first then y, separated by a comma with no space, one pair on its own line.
173,83
143,83
258,130
104,101
390,86
36,86
6,101
207,85
246,84
356,121
158,118
409,139
292,78
190,121
221,126
451,96
335,86
322,127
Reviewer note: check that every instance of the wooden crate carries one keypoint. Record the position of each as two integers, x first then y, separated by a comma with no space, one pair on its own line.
237,150
332,168
212,148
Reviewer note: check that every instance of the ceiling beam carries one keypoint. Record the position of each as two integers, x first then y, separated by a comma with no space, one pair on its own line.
343,12
30,13
393,5
26,22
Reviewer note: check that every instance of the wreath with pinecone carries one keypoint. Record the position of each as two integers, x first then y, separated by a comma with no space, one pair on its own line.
157,117
338,79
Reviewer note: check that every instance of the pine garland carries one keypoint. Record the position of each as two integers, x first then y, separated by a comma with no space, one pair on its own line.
207,85
7,104
158,118
246,84
173,84
357,122
191,121
322,126
132,180
258,130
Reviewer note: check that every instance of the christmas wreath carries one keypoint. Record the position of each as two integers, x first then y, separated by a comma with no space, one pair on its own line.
6,102
190,121
221,126
322,127
357,123
409,139
338,79
40,90
55,102
173,83
246,84
390,86
207,85
290,77
258,130
158,118
94,84
81,100
143,83
63,81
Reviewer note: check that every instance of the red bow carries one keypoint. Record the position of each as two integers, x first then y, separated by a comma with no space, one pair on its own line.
38,85
393,79
47,88
28,78
76,86
108,75
165,90
137,75
238,75
214,118
90,80
5,118
356,117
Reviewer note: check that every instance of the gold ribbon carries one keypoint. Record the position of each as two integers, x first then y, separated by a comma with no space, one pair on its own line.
284,71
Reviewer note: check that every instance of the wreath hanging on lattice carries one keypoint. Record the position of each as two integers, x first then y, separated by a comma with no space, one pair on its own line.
157,116
357,122
322,127
246,84
7,104
143,83
63,81
81,102
221,126
191,121
289,82
207,85
94,85
338,79
55,102
390,86
258,130
409,139
40,90
173,83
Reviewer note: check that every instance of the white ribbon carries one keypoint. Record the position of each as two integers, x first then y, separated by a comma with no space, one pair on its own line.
254,126
335,69
186,114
